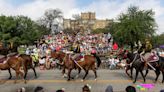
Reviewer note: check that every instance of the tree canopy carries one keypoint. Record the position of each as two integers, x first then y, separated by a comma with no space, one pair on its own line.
133,26
158,40
20,30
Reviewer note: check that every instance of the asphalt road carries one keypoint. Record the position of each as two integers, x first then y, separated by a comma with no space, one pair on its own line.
52,80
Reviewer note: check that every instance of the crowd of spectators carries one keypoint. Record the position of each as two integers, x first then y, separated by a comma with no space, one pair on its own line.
98,43
87,88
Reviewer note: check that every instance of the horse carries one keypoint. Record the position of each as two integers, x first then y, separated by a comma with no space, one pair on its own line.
27,63
136,62
70,64
58,55
16,62
3,65
158,65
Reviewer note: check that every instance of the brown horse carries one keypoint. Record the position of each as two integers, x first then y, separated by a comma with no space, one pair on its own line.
70,64
3,65
28,63
16,63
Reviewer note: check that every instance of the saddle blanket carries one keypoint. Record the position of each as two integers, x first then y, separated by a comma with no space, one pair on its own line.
150,57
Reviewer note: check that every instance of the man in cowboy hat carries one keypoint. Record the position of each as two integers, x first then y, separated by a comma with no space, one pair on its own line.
146,53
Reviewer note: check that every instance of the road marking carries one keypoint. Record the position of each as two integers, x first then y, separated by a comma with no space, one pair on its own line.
76,81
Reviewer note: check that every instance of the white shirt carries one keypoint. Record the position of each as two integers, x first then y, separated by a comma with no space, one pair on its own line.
117,61
112,61
42,61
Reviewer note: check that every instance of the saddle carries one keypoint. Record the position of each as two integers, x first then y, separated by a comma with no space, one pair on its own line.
150,57
78,57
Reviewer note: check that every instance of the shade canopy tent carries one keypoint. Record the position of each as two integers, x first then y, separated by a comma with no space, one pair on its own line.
161,46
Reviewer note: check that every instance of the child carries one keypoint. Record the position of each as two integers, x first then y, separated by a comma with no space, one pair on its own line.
42,61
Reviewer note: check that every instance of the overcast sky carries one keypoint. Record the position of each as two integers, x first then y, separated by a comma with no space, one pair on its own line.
103,8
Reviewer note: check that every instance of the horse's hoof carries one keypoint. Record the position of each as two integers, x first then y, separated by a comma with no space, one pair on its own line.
95,79
68,79
64,76
131,77
72,78
134,82
9,78
82,80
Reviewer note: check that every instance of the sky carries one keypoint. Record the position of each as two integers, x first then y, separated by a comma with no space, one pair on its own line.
105,9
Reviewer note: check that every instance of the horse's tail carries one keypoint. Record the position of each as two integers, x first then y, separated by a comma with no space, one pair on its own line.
98,60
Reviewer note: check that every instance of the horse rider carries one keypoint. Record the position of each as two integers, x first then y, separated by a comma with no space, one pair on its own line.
146,53
76,50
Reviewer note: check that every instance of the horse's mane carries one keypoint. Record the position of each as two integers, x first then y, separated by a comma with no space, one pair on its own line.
130,55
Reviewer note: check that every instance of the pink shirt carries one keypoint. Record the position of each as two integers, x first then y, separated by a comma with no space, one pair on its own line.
93,51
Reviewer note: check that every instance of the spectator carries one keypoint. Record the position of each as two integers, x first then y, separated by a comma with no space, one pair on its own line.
109,89
86,88
42,61
39,89
21,90
28,51
60,90
130,89
112,64
162,90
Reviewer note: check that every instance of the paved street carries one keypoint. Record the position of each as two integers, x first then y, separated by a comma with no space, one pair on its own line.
51,80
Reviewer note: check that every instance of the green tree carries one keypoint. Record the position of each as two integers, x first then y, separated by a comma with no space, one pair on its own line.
158,40
20,30
100,30
133,26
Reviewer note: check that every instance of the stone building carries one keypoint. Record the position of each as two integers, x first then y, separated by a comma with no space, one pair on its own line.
87,21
